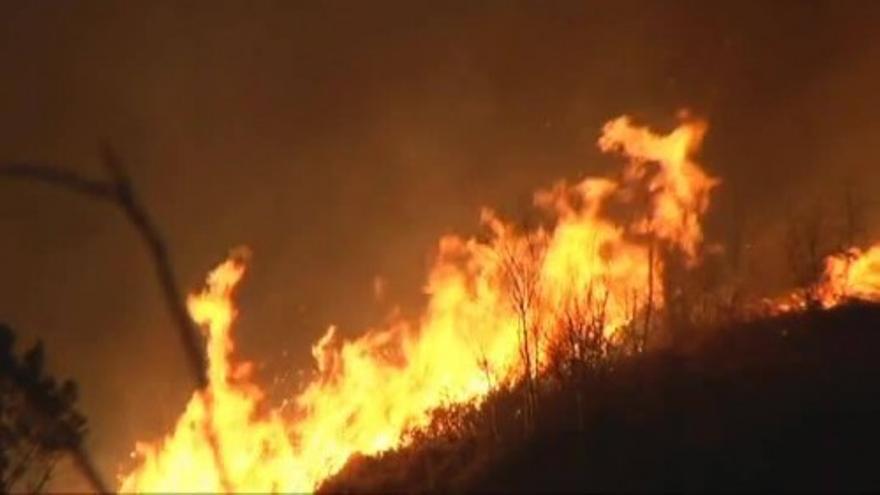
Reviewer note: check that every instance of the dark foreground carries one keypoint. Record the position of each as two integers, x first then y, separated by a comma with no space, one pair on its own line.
786,403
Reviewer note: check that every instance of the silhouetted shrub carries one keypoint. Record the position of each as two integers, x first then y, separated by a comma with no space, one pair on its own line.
38,421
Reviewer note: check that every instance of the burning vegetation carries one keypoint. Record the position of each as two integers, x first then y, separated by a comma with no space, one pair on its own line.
594,282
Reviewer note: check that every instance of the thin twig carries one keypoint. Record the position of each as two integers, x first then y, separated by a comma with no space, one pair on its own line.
83,462
59,177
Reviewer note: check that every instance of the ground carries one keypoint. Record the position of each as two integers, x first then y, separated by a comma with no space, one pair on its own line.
782,403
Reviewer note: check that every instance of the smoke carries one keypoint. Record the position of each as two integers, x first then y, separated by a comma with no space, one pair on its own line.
341,141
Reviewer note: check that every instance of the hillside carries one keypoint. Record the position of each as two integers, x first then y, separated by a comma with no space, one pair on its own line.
787,403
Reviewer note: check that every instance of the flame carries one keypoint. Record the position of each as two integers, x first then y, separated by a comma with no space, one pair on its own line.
848,275
484,298
253,444
853,274
683,186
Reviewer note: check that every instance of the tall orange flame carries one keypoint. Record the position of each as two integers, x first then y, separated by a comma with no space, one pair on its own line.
481,295
253,443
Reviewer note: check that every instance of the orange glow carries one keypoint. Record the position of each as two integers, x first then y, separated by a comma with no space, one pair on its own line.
370,391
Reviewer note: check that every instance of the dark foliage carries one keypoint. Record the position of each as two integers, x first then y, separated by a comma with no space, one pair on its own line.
38,420
783,403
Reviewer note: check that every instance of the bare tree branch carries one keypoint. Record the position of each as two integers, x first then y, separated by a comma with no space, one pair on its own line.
84,464
127,199
59,177
118,190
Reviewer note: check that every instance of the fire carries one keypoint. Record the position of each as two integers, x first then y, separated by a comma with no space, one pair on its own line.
684,187
854,274
851,274
484,298
253,444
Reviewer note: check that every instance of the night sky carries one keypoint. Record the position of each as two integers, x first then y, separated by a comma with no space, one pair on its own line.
340,140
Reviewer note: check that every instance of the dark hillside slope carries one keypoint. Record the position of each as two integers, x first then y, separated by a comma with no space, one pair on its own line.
784,403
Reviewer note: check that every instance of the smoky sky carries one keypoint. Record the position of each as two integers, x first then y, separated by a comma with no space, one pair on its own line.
339,140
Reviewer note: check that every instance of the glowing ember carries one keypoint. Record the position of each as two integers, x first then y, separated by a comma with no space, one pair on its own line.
482,296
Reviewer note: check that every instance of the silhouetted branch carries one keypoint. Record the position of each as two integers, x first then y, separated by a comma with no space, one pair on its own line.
119,191
127,199
59,177
84,464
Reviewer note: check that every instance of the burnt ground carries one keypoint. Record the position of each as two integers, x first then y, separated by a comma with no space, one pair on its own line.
784,403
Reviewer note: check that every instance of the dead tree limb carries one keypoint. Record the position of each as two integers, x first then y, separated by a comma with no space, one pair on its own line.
118,190
126,198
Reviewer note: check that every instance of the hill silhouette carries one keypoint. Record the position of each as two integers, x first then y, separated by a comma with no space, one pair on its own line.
788,402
